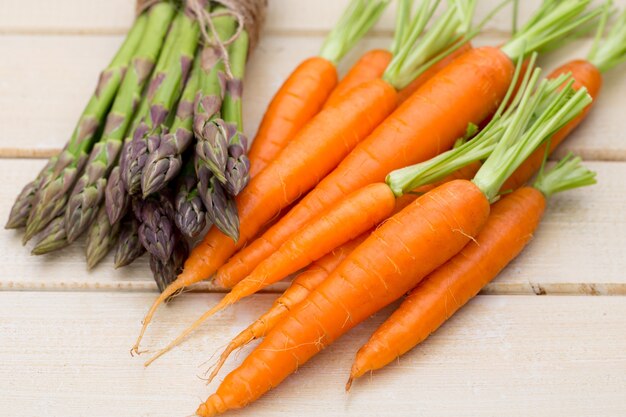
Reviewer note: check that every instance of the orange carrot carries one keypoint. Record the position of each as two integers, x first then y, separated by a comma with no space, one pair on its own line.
315,151
370,66
299,289
510,226
305,91
466,91
396,256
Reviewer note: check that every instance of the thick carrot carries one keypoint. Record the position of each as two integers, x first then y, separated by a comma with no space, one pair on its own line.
468,90
305,91
370,66
300,98
586,75
419,239
299,289
509,228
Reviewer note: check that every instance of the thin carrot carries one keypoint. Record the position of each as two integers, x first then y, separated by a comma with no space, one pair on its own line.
402,251
510,227
305,91
299,289
369,67
317,149
468,90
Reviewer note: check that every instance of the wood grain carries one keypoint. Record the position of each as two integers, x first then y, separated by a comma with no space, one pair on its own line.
579,248
67,354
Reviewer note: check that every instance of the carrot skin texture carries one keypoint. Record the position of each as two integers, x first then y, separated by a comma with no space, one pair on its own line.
585,74
299,289
369,67
468,90
385,266
297,101
509,228
407,91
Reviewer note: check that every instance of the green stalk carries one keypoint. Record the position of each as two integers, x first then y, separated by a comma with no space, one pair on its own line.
88,192
168,90
165,154
609,49
550,26
356,21
50,199
567,174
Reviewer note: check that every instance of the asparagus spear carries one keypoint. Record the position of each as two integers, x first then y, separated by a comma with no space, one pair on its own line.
128,247
167,92
156,229
52,238
237,171
220,206
211,147
190,214
165,154
101,237
50,199
89,189
24,201
166,272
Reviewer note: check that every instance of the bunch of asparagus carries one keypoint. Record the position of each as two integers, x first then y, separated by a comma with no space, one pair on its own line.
129,176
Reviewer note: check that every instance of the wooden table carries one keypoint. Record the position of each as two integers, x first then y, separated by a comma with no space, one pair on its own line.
548,337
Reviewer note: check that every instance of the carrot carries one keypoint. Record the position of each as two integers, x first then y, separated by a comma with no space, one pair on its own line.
509,228
369,67
608,51
315,151
468,90
402,251
305,91
299,289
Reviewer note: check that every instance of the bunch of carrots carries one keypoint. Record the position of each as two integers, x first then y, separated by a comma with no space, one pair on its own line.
421,172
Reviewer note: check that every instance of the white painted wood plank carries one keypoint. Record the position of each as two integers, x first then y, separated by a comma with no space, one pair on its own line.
284,16
579,248
48,79
66,354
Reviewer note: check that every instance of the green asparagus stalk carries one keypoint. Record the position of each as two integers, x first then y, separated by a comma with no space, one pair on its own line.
165,272
116,198
52,238
166,95
89,189
165,154
101,237
190,213
220,206
24,201
156,230
128,247
211,147
237,170
50,199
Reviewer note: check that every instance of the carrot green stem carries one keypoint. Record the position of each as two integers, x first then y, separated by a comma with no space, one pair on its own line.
520,139
567,174
403,22
356,21
609,50
418,46
550,26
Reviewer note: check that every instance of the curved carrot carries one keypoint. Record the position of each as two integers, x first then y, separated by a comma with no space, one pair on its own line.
335,131
585,74
468,90
300,98
370,66
509,228
299,289
384,267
